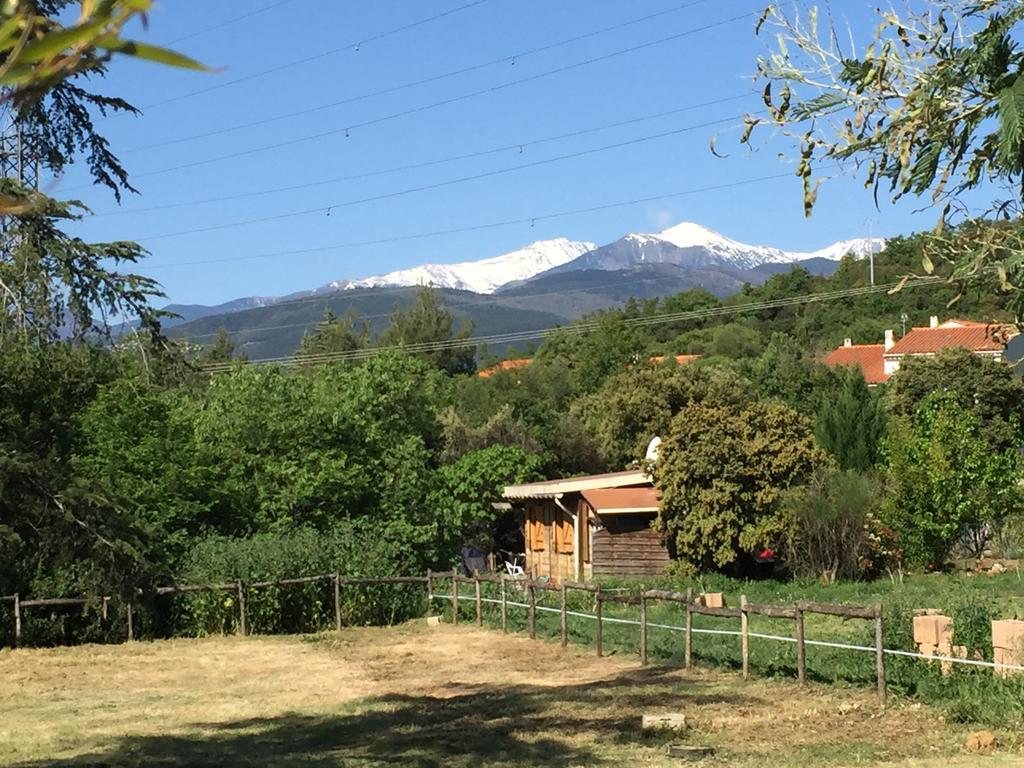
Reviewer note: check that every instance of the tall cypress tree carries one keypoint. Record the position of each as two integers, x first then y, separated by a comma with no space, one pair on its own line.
851,424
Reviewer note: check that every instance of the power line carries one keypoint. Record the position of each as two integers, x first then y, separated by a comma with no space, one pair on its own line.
489,225
699,314
444,102
520,146
355,45
438,185
508,59
229,22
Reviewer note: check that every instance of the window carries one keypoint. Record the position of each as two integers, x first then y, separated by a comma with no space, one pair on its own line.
535,528
563,535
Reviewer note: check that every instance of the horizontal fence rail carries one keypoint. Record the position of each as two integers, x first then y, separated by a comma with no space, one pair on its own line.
689,607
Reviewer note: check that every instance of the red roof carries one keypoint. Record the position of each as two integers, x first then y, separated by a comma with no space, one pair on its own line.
504,365
623,500
867,357
977,337
680,359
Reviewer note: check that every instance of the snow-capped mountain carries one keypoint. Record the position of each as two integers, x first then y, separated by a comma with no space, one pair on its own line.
706,257
484,276
693,246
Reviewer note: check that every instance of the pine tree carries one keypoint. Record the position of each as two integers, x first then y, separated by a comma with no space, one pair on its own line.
851,424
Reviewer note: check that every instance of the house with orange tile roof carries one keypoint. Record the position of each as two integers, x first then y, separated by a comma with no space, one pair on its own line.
867,357
983,339
880,361
504,365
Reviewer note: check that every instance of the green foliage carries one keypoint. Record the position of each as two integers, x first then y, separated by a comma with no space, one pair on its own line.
829,522
637,405
722,471
985,388
334,335
52,284
349,549
851,424
463,501
920,109
944,481
429,321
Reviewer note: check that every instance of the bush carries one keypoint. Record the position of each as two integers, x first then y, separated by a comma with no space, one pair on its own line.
354,550
830,519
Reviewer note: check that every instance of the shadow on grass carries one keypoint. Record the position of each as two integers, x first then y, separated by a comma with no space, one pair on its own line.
468,725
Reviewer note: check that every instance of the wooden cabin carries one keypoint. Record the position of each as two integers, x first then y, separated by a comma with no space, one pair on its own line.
581,527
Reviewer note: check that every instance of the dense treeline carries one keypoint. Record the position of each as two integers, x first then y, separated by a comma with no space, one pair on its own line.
125,467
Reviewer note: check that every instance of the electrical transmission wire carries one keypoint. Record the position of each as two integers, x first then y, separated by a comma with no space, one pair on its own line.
508,59
437,185
531,220
521,146
229,22
578,328
346,130
354,45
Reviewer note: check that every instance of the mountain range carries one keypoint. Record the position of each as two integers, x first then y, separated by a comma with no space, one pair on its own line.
545,283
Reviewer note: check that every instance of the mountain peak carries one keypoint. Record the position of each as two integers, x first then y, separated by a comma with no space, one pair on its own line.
688,234
483,276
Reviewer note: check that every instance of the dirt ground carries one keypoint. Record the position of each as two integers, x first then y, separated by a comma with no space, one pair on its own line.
434,696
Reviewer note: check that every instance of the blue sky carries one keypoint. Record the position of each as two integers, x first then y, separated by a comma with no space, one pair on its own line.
285,252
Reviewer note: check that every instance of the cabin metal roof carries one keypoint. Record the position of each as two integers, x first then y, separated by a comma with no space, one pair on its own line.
550,489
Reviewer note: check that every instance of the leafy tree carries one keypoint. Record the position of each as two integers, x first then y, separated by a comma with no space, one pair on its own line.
932,105
851,424
605,349
427,329
987,389
467,489
944,482
722,470
637,405
786,371
335,334
42,64
220,350
52,284
830,520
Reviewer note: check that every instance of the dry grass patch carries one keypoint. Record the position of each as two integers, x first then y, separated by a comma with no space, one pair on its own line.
444,696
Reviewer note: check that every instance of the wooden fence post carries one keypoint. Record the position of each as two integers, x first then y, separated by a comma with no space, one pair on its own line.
455,597
801,649
241,608
686,633
504,603
565,619
337,602
598,610
531,591
479,602
880,654
131,624
643,627
17,619
104,609
430,591
688,647
745,636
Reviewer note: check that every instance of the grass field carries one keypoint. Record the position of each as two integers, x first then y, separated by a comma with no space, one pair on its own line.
434,696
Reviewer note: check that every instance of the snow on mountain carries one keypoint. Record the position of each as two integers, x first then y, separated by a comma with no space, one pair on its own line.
743,256
484,276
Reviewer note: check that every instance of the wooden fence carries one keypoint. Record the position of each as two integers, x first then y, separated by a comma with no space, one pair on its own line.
688,606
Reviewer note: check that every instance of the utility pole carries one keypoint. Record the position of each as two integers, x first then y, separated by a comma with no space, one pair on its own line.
871,251
15,164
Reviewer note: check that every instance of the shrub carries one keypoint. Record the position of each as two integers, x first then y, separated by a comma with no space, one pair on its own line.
349,549
829,532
